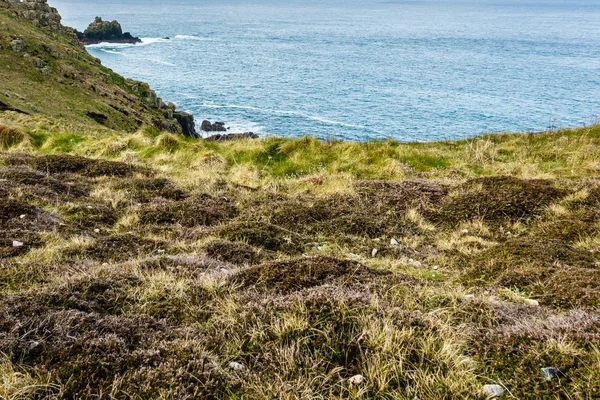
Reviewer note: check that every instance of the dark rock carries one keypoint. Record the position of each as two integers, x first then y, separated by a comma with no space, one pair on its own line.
99,118
232,136
216,127
186,121
106,31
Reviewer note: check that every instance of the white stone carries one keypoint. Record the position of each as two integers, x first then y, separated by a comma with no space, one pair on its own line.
89,207
16,243
356,380
493,390
532,302
394,243
374,253
97,230
464,231
436,267
22,216
236,366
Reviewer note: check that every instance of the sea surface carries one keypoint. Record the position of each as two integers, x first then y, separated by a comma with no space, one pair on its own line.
370,69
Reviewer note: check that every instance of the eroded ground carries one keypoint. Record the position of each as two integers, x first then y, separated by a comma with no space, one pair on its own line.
127,285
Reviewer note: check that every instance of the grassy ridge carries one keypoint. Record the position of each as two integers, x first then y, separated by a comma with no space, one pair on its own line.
152,262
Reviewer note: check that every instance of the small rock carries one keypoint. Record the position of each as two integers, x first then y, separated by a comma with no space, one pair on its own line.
22,216
415,263
16,243
394,243
236,366
508,233
17,45
374,253
97,230
551,373
464,231
161,251
493,390
356,380
89,207
436,267
532,302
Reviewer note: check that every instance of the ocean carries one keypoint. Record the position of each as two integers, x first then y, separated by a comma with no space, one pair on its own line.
359,70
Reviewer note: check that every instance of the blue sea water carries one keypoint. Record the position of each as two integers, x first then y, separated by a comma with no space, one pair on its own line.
369,69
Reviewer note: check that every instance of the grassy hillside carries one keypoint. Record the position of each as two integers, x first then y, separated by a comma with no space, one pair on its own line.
156,266
45,71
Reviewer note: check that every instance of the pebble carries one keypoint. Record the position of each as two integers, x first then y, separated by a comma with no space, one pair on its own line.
464,231
415,262
22,216
532,302
493,390
356,380
436,267
394,243
374,253
89,207
550,373
97,230
236,366
16,243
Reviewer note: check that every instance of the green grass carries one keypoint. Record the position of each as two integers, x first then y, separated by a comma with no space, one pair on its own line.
167,258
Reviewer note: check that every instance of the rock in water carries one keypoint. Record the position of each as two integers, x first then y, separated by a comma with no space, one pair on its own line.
106,31
216,127
493,390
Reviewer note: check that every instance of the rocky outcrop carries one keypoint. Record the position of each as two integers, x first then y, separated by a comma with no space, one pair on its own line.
216,127
38,12
186,121
106,31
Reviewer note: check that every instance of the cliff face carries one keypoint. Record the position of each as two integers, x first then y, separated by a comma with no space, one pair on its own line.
45,70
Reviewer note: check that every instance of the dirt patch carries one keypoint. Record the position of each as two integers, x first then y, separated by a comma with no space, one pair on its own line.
40,185
144,190
546,269
265,236
199,210
92,215
65,163
233,252
19,215
184,265
497,199
293,275
401,194
122,247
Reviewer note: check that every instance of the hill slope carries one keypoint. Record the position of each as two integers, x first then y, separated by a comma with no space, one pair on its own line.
46,71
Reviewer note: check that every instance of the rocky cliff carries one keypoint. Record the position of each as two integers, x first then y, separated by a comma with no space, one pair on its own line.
46,71
106,31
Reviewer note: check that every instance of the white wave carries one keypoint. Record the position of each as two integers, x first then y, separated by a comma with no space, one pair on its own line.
111,51
145,42
191,37
297,114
